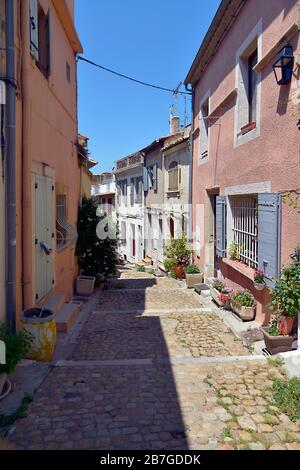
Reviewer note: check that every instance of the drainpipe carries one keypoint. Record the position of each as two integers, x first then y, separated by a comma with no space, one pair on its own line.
27,222
10,167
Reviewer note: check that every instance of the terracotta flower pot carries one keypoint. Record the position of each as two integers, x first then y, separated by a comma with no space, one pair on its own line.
285,325
277,344
179,270
245,313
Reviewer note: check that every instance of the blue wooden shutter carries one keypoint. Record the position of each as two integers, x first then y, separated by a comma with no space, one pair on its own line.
221,228
155,176
34,28
145,178
269,230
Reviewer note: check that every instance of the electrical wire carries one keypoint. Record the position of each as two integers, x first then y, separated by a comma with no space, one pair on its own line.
168,90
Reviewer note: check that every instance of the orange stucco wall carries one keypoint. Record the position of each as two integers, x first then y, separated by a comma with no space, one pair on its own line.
273,156
46,144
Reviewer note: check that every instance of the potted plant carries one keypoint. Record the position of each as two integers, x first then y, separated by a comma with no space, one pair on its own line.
276,342
16,347
193,275
244,305
259,280
220,293
285,297
179,250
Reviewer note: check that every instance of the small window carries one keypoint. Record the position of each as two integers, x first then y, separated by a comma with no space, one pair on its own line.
204,129
252,86
68,72
66,234
40,36
173,174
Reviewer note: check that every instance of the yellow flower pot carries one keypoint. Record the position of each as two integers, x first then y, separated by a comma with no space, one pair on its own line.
43,332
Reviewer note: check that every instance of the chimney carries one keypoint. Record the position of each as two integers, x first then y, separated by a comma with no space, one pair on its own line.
174,124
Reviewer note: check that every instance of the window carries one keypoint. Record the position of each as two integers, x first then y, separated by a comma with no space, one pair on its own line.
40,36
66,233
173,174
252,86
122,192
245,228
68,72
248,84
204,129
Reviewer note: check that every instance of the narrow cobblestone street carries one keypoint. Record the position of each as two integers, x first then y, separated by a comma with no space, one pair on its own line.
151,368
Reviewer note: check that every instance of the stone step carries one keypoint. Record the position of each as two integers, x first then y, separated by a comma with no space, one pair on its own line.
54,303
67,316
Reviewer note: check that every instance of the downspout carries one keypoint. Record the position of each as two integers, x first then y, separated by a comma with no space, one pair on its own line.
27,223
10,167
191,169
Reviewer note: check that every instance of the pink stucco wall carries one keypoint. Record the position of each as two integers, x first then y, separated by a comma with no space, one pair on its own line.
274,155
46,138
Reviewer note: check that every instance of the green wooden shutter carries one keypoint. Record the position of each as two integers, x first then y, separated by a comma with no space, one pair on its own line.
34,28
269,239
43,233
221,226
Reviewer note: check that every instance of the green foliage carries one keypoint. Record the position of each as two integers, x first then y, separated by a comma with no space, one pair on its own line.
173,274
234,251
8,420
273,328
96,257
192,269
169,263
286,394
243,298
141,269
17,345
152,271
179,250
259,277
285,296
218,285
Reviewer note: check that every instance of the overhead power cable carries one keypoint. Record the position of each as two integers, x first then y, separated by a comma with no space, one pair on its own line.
168,90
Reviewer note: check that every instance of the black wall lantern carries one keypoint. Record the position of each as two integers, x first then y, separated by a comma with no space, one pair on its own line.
283,67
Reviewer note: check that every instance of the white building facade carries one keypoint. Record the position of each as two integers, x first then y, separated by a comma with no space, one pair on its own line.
130,206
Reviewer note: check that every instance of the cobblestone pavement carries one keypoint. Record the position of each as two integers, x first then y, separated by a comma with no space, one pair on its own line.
137,381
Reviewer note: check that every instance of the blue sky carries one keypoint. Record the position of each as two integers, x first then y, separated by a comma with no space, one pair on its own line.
154,41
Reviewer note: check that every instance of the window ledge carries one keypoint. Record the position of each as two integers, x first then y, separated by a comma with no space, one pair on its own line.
248,128
240,267
173,192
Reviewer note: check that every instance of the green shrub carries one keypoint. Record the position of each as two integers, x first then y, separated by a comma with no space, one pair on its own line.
286,394
179,250
234,251
17,345
243,298
141,269
97,257
192,269
173,274
285,296
169,263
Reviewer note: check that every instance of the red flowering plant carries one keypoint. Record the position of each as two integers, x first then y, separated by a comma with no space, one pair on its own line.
224,296
259,277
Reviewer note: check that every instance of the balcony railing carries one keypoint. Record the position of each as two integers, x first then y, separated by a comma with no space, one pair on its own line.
98,189
130,161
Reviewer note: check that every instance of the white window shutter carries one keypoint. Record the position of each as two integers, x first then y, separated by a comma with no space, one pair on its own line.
34,29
